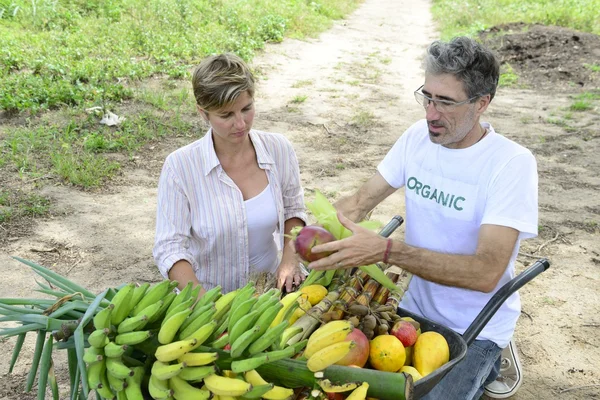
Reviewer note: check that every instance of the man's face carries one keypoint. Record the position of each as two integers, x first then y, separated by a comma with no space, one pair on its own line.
457,127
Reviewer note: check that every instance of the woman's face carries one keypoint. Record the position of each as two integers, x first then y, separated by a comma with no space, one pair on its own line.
232,123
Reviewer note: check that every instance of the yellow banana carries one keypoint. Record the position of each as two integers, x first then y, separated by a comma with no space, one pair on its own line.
223,304
170,326
288,301
184,391
325,340
172,351
330,387
224,386
198,359
329,355
122,303
159,389
360,393
276,393
164,371
202,334
330,327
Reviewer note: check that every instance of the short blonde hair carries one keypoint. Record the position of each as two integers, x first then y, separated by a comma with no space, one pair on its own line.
219,79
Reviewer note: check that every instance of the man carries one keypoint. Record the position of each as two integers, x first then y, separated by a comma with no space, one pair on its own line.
471,196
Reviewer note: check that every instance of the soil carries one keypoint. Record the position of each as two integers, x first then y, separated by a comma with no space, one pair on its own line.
358,78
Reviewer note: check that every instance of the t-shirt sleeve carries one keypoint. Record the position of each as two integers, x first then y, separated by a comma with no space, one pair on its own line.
392,167
513,197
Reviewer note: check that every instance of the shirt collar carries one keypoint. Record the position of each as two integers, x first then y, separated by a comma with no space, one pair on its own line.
211,161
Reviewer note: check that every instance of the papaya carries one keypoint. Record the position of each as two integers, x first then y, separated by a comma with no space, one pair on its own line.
314,293
430,352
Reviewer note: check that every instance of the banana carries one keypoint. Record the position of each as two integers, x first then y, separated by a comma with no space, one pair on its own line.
198,359
196,374
257,391
104,389
210,296
330,333
138,293
242,325
99,338
164,371
244,293
243,341
150,312
289,333
277,393
360,393
92,355
202,334
287,301
242,309
196,313
220,329
122,303
224,386
172,351
329,355
132,323
268,338
116,384
121,395
184,391
170,326
152,295
330,387
115,366
183,295
132,338
223,304
220,342
166,302
102,317
250,363
94,374
268,315
198,323
186,304
266,296
115,350
159,389
133,391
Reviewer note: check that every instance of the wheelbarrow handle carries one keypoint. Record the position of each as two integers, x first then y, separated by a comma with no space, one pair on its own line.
391,226
500,297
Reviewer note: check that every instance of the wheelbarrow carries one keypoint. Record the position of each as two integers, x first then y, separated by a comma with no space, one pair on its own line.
458,343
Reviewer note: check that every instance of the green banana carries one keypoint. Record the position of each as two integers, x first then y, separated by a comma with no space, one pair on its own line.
115,366
159,389
183,295
243,341
194,359
166,302
220,342
263,298
122,303
132,323
268,315
115,350
223,304
268,338
172,351
132,338
94,374
170,326
151,311
198,323
104,389
196,374
102,317
210,296
198,311
138,293
225,386
242,325
196,291
152,295
92,355
164,371
266,305
99,338
116,384
244,293
251,363
257,391
121,395
186,304
220,329
183,390
133,390
235,314
202,334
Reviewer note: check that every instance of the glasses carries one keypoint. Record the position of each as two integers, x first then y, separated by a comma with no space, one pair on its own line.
442,106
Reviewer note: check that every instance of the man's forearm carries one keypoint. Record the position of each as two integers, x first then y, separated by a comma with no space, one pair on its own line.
351,208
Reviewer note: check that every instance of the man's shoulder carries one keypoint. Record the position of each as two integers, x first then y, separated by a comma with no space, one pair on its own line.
508,147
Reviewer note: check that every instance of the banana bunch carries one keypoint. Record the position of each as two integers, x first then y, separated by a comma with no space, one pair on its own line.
328,345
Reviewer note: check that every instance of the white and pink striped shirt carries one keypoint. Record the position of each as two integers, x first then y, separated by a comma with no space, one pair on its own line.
201,216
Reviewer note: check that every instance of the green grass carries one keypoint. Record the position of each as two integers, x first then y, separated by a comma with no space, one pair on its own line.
467,17
508,77
299,99
592,67
84,52
18,204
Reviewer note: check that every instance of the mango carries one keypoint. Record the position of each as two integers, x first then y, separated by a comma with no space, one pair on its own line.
314,293
430,352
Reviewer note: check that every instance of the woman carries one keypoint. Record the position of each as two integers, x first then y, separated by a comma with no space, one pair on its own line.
226,201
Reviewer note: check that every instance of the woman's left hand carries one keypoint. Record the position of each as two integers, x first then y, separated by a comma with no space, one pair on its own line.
289,275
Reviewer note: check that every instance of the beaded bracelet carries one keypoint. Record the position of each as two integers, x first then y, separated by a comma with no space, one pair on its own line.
388,249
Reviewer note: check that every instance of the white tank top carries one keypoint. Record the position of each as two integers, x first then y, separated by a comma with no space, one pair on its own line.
261,214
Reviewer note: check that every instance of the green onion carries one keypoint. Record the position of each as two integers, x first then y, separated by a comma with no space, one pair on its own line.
37,354
52,380
16,351
45,368
20,329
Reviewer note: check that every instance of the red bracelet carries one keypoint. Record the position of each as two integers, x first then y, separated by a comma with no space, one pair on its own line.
388,249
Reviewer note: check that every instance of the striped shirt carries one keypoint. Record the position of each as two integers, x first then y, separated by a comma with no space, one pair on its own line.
201,216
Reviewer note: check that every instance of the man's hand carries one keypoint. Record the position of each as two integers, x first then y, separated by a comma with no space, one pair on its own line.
364,247
289,275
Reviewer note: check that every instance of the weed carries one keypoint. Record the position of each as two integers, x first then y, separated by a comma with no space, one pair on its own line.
303,83
363,119
508,77
299,99
581,105
592,67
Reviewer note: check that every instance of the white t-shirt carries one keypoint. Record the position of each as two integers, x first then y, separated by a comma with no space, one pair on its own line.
450,193
261,214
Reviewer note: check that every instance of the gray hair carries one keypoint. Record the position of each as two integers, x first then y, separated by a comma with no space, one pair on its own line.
468,61
219,79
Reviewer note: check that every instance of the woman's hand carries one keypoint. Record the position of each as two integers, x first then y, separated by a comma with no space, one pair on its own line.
289,275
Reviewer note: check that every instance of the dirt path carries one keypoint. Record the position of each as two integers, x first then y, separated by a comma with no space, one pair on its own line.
343,99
